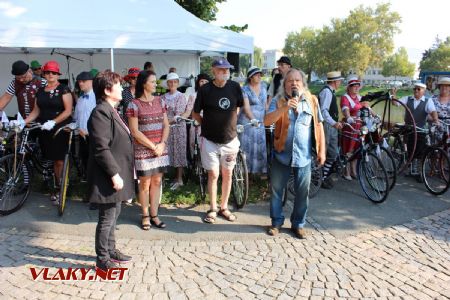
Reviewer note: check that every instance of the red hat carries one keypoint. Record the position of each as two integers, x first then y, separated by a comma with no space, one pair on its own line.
51,66
353,80
132,72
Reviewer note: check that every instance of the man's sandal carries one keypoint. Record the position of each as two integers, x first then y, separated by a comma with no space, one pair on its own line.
145,226
211,216
227,215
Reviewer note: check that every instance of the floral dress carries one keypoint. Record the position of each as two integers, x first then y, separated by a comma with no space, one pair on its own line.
151,123
176,105
443,110
253,139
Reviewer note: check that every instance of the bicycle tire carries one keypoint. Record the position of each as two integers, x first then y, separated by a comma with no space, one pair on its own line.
316,178
13,189
387,133
202,178
388,161
367,171
64,185
239,185
435,161
399,153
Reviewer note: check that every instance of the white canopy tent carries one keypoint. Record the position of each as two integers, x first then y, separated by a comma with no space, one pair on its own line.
136,31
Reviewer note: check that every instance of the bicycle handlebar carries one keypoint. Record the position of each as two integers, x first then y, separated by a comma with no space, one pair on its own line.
240,127
70,126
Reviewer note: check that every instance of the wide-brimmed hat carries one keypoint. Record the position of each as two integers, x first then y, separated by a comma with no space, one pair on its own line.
353,80
444,81
35,64
85,76
51,66
221,62
284,60
172,76
132,73
420,84
19,68
334,75
253,71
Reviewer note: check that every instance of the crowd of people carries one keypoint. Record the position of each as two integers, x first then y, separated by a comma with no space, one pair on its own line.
131,134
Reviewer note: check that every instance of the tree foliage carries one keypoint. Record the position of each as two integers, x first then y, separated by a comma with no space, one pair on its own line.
203,9
236,28
398,65
258,57
362,39
437,58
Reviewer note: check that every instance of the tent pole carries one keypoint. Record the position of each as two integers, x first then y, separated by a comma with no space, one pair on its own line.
112,59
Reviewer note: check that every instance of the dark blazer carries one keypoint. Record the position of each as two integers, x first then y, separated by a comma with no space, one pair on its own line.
110,152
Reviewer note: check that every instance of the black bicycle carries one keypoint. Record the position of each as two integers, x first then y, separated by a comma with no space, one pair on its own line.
195,170
17,167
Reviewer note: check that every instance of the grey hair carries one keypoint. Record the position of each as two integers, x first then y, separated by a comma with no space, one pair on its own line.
282,92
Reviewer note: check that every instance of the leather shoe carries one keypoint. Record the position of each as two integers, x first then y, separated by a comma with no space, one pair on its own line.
299,233
273,230
327,184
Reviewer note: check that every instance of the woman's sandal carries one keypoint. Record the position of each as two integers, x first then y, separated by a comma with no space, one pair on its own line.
227,214
211,216
145,226
160,225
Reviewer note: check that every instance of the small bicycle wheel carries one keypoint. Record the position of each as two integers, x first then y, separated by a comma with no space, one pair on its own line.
373,178
393,111
202,178
14,184
316,177
435,170
64,185
389,163
239,185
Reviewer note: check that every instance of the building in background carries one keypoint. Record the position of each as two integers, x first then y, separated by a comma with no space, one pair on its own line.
373,76
270,58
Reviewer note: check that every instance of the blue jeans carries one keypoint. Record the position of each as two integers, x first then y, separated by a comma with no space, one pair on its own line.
279,176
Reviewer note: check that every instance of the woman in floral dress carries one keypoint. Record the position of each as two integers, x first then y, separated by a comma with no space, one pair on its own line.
176,105
149,126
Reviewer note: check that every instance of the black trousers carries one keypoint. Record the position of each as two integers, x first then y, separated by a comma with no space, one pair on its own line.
105,241
84,151
421,144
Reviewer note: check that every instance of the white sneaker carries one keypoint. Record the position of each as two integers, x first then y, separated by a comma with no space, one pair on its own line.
347,177
176,185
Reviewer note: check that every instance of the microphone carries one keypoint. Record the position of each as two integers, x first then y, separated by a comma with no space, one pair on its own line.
53,50
295,94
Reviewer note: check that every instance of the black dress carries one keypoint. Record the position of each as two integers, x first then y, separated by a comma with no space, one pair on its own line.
50,106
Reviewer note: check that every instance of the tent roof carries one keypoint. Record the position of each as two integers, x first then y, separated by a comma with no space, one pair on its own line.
128,24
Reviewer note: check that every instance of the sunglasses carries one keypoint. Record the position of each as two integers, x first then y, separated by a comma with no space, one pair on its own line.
416,89
35,69
50,72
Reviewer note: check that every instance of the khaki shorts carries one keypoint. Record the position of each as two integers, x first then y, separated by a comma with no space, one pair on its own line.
215,155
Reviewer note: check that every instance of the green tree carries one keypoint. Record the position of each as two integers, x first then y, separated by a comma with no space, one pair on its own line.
301,47
398,65
203,9
258,57
438,59
236,28
362,39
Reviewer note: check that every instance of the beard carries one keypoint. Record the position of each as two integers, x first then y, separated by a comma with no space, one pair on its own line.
223,77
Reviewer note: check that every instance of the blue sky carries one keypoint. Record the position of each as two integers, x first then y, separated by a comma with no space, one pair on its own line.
270,21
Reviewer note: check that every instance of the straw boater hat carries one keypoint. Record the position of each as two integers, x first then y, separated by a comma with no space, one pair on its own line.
444,81
420,84
334,75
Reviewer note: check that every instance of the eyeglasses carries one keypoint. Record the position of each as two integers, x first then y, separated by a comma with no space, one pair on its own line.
50,72
35,69
417,89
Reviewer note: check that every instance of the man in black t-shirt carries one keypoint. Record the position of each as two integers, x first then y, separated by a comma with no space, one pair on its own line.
220,101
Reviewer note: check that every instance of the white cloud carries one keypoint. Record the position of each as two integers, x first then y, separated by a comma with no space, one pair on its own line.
9,10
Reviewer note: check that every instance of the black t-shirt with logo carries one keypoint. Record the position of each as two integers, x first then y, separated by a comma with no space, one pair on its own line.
219,105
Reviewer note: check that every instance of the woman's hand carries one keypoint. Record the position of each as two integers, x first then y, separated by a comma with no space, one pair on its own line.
159,149
117,182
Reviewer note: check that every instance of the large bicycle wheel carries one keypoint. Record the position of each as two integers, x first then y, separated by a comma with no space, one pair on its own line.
64,186
389,163
14,184
202,178
316,177
392,112
239,185
435,170
373,178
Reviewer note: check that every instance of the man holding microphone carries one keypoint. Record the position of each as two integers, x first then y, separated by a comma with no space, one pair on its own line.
298,132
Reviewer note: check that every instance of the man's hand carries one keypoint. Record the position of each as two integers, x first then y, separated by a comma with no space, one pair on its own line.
117,182
293,103
338,125
82,132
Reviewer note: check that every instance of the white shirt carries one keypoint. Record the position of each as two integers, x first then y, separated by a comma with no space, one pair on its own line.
428,108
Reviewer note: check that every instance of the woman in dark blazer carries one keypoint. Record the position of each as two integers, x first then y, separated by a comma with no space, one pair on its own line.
110,167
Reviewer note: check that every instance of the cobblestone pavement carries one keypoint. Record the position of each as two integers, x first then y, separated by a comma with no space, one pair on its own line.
409,261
